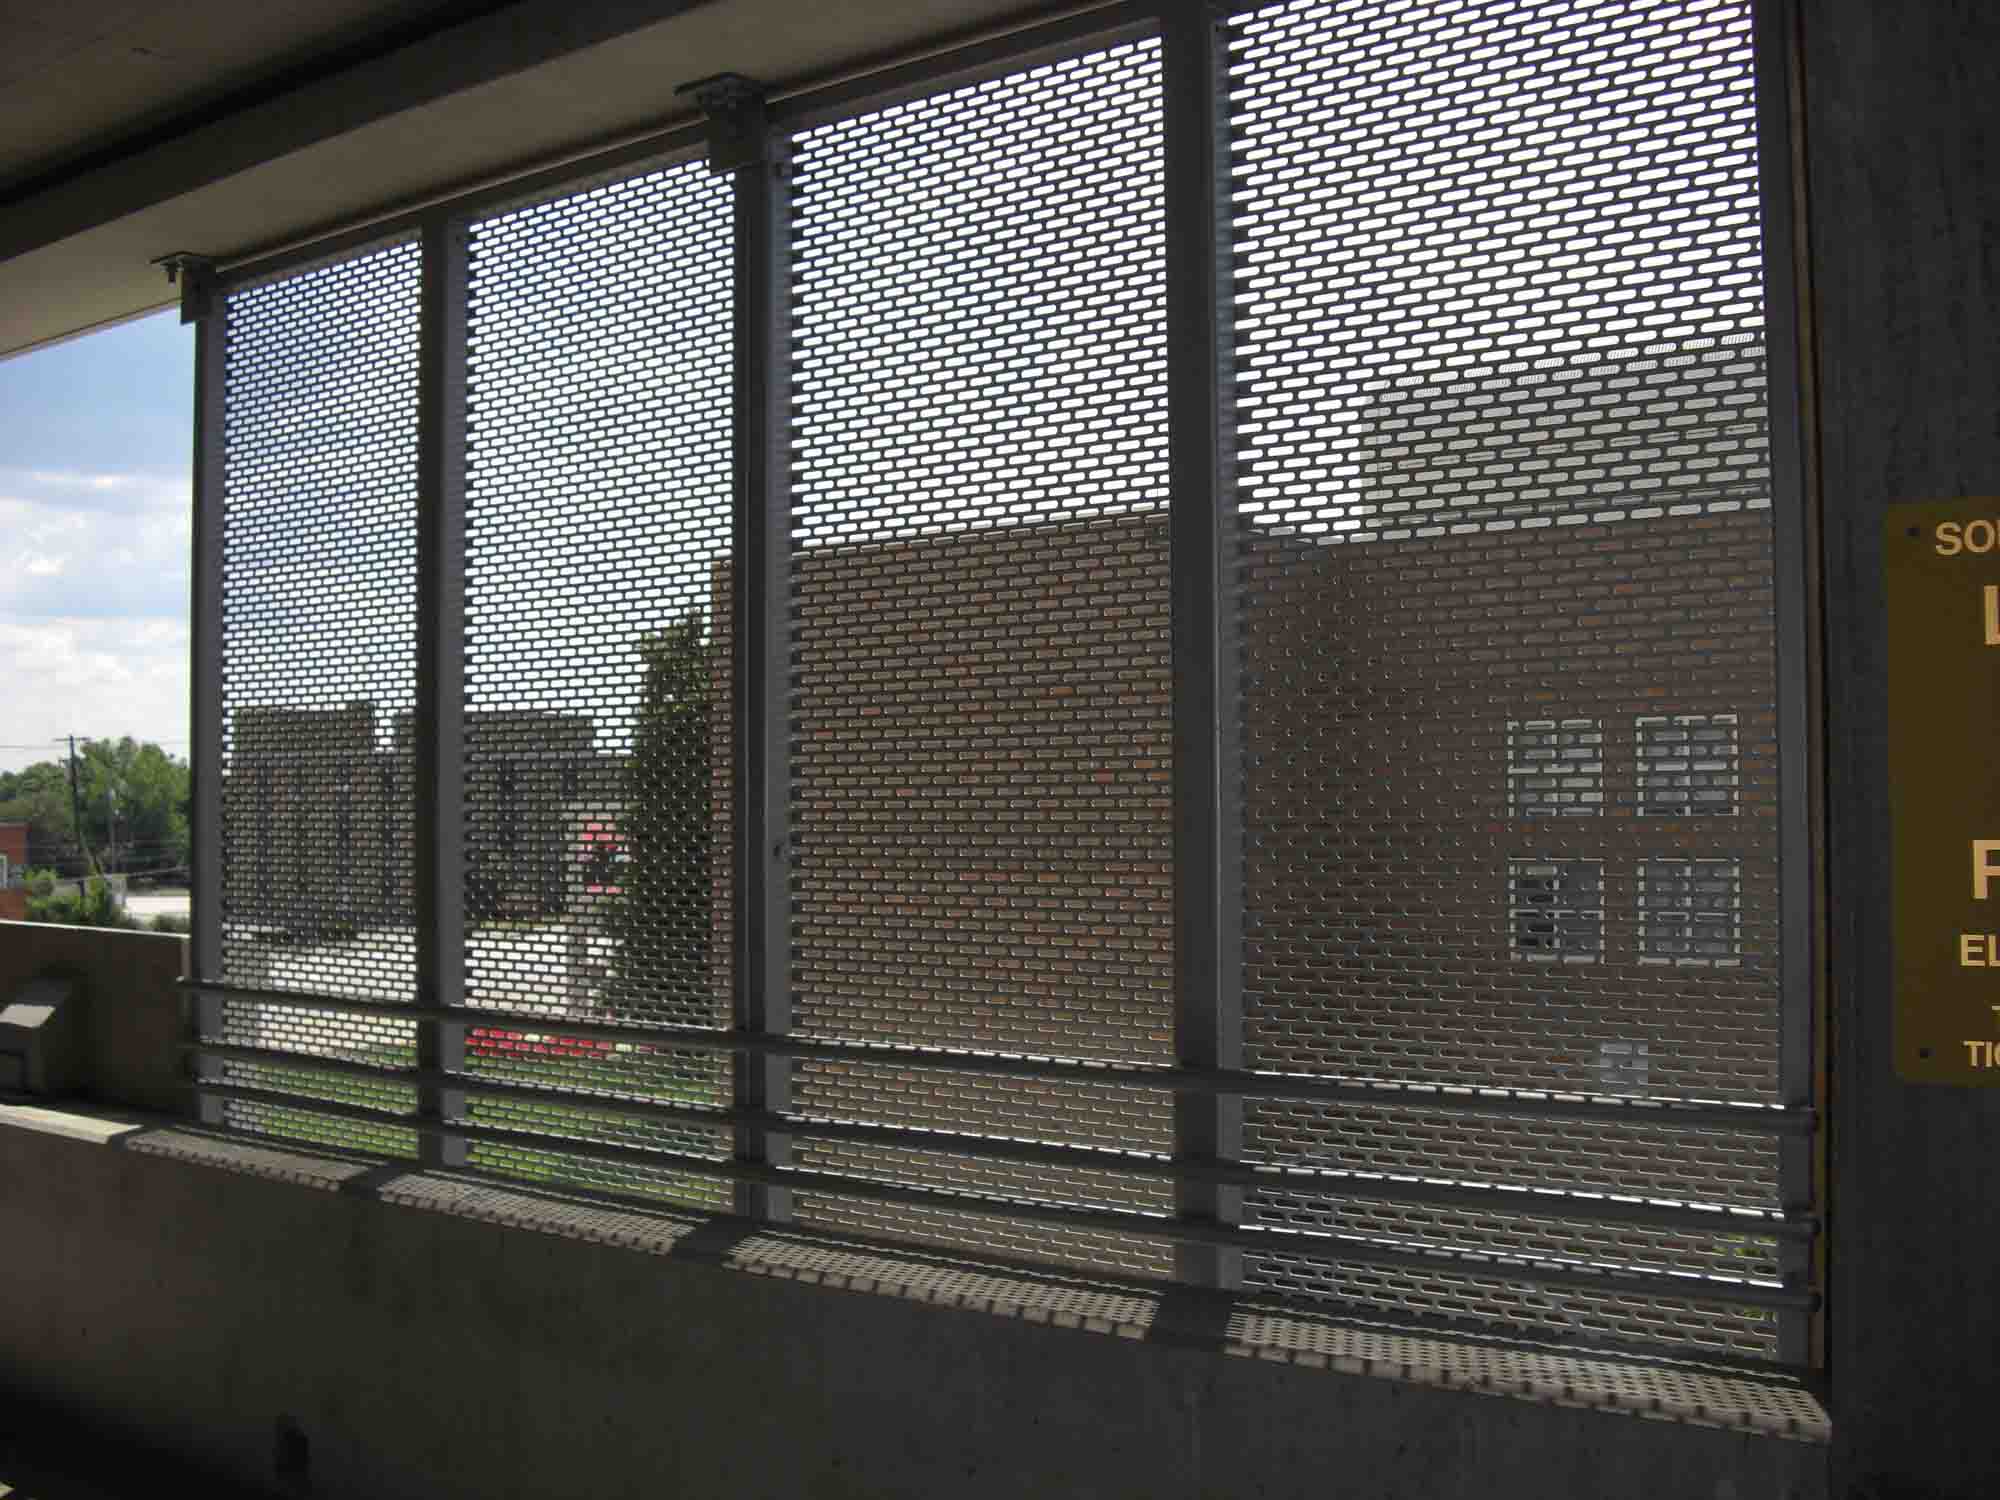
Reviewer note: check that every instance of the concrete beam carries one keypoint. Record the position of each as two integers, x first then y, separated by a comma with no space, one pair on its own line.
317,108
537,81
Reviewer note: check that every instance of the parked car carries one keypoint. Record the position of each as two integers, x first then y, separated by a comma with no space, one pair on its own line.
602,853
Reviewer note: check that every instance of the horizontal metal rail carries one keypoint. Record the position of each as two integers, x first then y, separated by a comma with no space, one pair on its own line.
1323,1182
1459,1098
1353,1249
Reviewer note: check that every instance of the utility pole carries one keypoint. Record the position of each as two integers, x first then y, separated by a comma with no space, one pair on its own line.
76,811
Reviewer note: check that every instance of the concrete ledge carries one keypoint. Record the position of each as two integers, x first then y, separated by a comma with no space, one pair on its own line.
192,1297
100,1127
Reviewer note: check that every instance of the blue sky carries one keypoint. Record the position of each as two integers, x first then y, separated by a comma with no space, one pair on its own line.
95,446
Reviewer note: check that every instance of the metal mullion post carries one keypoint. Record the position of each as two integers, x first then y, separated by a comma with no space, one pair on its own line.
205,706
1208,839
1795,547
438,724
743,143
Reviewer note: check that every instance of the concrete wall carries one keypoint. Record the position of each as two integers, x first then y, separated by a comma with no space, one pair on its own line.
425,1354
133,1017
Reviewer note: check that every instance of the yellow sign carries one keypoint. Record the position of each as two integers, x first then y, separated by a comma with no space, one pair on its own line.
1941,582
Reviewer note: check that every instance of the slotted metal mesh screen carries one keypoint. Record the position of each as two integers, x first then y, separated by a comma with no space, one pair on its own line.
597,750
318,674
1503,592
1504,440
982,683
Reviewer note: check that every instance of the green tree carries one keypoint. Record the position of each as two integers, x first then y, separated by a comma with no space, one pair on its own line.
39,797
135,804
661,918
133,795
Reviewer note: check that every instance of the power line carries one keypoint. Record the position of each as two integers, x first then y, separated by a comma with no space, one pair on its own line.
100,739
76,806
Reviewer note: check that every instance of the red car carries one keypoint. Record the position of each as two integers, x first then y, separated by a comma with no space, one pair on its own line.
501,1045
601,852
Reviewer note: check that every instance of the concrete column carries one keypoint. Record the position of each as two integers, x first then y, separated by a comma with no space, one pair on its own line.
1901,139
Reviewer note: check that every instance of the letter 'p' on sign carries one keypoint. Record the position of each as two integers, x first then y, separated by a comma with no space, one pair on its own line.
1983,867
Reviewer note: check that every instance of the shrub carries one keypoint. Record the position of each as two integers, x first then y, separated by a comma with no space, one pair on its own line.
96,907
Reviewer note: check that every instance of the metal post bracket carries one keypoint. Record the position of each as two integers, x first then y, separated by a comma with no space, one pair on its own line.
196,277
738,119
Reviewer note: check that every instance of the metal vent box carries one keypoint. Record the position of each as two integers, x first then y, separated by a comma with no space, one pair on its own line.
40,1039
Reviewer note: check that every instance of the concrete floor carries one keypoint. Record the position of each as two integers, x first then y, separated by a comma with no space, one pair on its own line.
43,1458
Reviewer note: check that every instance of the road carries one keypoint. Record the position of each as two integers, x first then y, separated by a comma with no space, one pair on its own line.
162,901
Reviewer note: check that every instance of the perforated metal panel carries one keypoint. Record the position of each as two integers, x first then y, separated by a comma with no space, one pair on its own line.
1503,430
318,672
1500,590
982,681
597,752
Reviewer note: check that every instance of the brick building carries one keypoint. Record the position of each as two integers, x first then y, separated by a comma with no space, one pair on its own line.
1508,777
317,815
13,863
1524,700
1508,781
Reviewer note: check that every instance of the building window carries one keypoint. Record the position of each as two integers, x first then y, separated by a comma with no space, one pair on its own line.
388,833
302,838
1555,911
1624,1067
509,810
1555,768
266,867
343,831
1691,912
1688,766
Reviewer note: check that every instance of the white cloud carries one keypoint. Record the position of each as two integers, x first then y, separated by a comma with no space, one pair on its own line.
78,544
69,478
84,490
93,609
93,677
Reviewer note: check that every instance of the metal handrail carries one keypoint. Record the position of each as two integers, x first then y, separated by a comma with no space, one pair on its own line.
1550,1271
1538,1202
1461,1098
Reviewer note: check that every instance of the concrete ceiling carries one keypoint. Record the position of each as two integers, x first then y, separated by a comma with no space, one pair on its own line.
225,127
87,76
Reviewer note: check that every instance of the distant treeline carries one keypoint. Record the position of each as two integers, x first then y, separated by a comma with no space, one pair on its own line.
127,810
